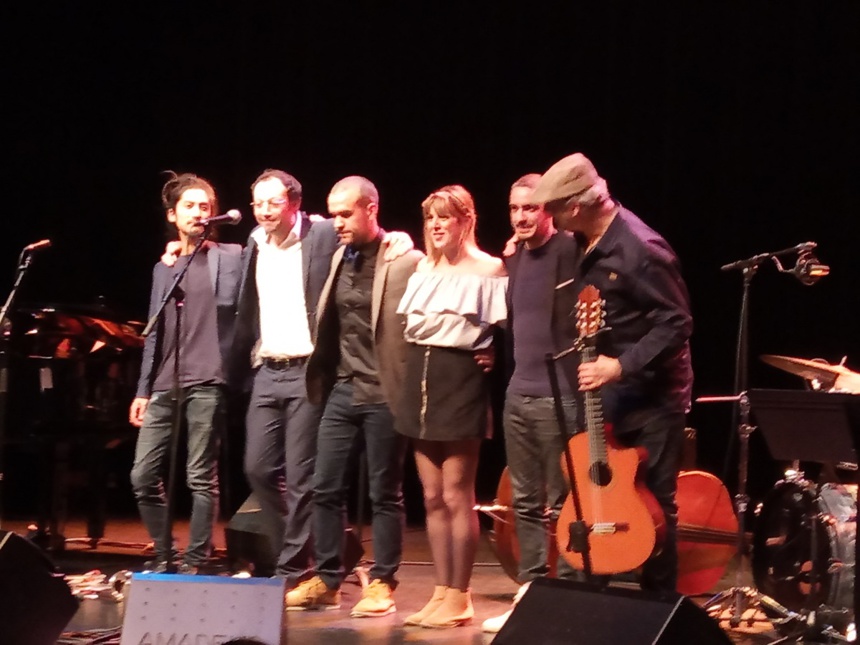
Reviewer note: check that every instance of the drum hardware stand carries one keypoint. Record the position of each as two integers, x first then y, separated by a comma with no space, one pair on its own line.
741,597
175,293
24,261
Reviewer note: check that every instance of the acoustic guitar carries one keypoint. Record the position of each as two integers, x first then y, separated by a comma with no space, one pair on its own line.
707,531
624,522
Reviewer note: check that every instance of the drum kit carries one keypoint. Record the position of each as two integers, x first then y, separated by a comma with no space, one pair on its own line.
804,543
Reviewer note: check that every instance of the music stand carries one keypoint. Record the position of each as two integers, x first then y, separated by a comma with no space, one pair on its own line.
787,418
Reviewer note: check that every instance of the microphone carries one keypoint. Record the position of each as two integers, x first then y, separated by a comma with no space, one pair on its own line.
808,269
232,216
35,246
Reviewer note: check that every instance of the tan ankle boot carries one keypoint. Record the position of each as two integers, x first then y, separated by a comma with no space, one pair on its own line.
456,609
429,608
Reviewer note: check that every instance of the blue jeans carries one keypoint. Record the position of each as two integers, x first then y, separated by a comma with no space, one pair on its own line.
342,429
204,414
534,446
279,462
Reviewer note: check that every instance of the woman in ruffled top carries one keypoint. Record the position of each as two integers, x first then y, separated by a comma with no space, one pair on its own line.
451,304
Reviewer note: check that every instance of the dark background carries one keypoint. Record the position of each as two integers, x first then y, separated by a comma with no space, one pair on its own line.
731,128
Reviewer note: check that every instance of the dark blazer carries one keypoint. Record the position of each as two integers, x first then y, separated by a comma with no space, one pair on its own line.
566,252
319,242
389,285
225,268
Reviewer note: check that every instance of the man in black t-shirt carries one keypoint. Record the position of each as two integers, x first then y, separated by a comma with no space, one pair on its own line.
209,291
540,303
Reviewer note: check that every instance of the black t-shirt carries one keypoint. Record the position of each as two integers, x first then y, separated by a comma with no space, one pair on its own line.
200,355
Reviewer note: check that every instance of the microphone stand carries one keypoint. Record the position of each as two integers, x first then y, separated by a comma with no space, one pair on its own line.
24,261
739,597
578,532
175,293
749,267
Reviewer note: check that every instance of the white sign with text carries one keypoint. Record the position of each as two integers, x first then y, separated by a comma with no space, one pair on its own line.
165,609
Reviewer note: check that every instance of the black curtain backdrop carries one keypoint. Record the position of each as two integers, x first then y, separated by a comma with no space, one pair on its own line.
730,127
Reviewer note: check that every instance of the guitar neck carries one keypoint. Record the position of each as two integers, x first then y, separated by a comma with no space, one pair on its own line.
594,414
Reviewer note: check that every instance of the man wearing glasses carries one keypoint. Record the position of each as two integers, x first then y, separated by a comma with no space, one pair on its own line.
286,263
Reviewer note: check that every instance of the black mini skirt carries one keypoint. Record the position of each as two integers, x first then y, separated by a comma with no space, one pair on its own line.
445,395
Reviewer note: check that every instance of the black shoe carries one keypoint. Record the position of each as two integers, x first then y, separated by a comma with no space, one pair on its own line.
155,566
187,569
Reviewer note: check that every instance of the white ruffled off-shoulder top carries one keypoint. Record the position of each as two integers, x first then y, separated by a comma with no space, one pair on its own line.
454,310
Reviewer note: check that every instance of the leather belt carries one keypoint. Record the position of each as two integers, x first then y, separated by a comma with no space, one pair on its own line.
284,363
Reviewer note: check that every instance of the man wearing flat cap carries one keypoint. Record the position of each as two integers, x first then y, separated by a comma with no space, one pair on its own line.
643,369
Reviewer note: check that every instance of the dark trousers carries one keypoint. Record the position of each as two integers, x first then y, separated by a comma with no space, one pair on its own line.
279,463
204,414
663,437
342,429
534,446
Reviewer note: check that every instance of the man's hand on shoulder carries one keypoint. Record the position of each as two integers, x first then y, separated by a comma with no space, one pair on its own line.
171,253
397,244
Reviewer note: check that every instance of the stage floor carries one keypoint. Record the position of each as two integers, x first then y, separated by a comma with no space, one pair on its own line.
124,547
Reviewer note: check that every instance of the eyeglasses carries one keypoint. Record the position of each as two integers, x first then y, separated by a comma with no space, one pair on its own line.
271,203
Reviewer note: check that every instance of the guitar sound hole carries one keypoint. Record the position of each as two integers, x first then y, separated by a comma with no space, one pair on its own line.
600,474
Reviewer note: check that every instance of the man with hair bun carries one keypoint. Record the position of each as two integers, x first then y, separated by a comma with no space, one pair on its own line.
210,287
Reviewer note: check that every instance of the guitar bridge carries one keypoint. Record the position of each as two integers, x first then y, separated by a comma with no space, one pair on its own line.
610,528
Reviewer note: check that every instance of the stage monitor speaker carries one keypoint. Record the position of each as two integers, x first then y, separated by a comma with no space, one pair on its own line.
248,546
560,611
35,602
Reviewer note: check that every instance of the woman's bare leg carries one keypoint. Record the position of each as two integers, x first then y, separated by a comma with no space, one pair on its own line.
459,470
429,459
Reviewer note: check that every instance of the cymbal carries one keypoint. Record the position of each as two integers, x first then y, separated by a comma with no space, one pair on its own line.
806,368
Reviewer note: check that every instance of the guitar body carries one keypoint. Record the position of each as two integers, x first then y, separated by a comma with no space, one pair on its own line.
612,494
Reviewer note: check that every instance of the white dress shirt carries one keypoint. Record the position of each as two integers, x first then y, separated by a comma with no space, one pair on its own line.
284,331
